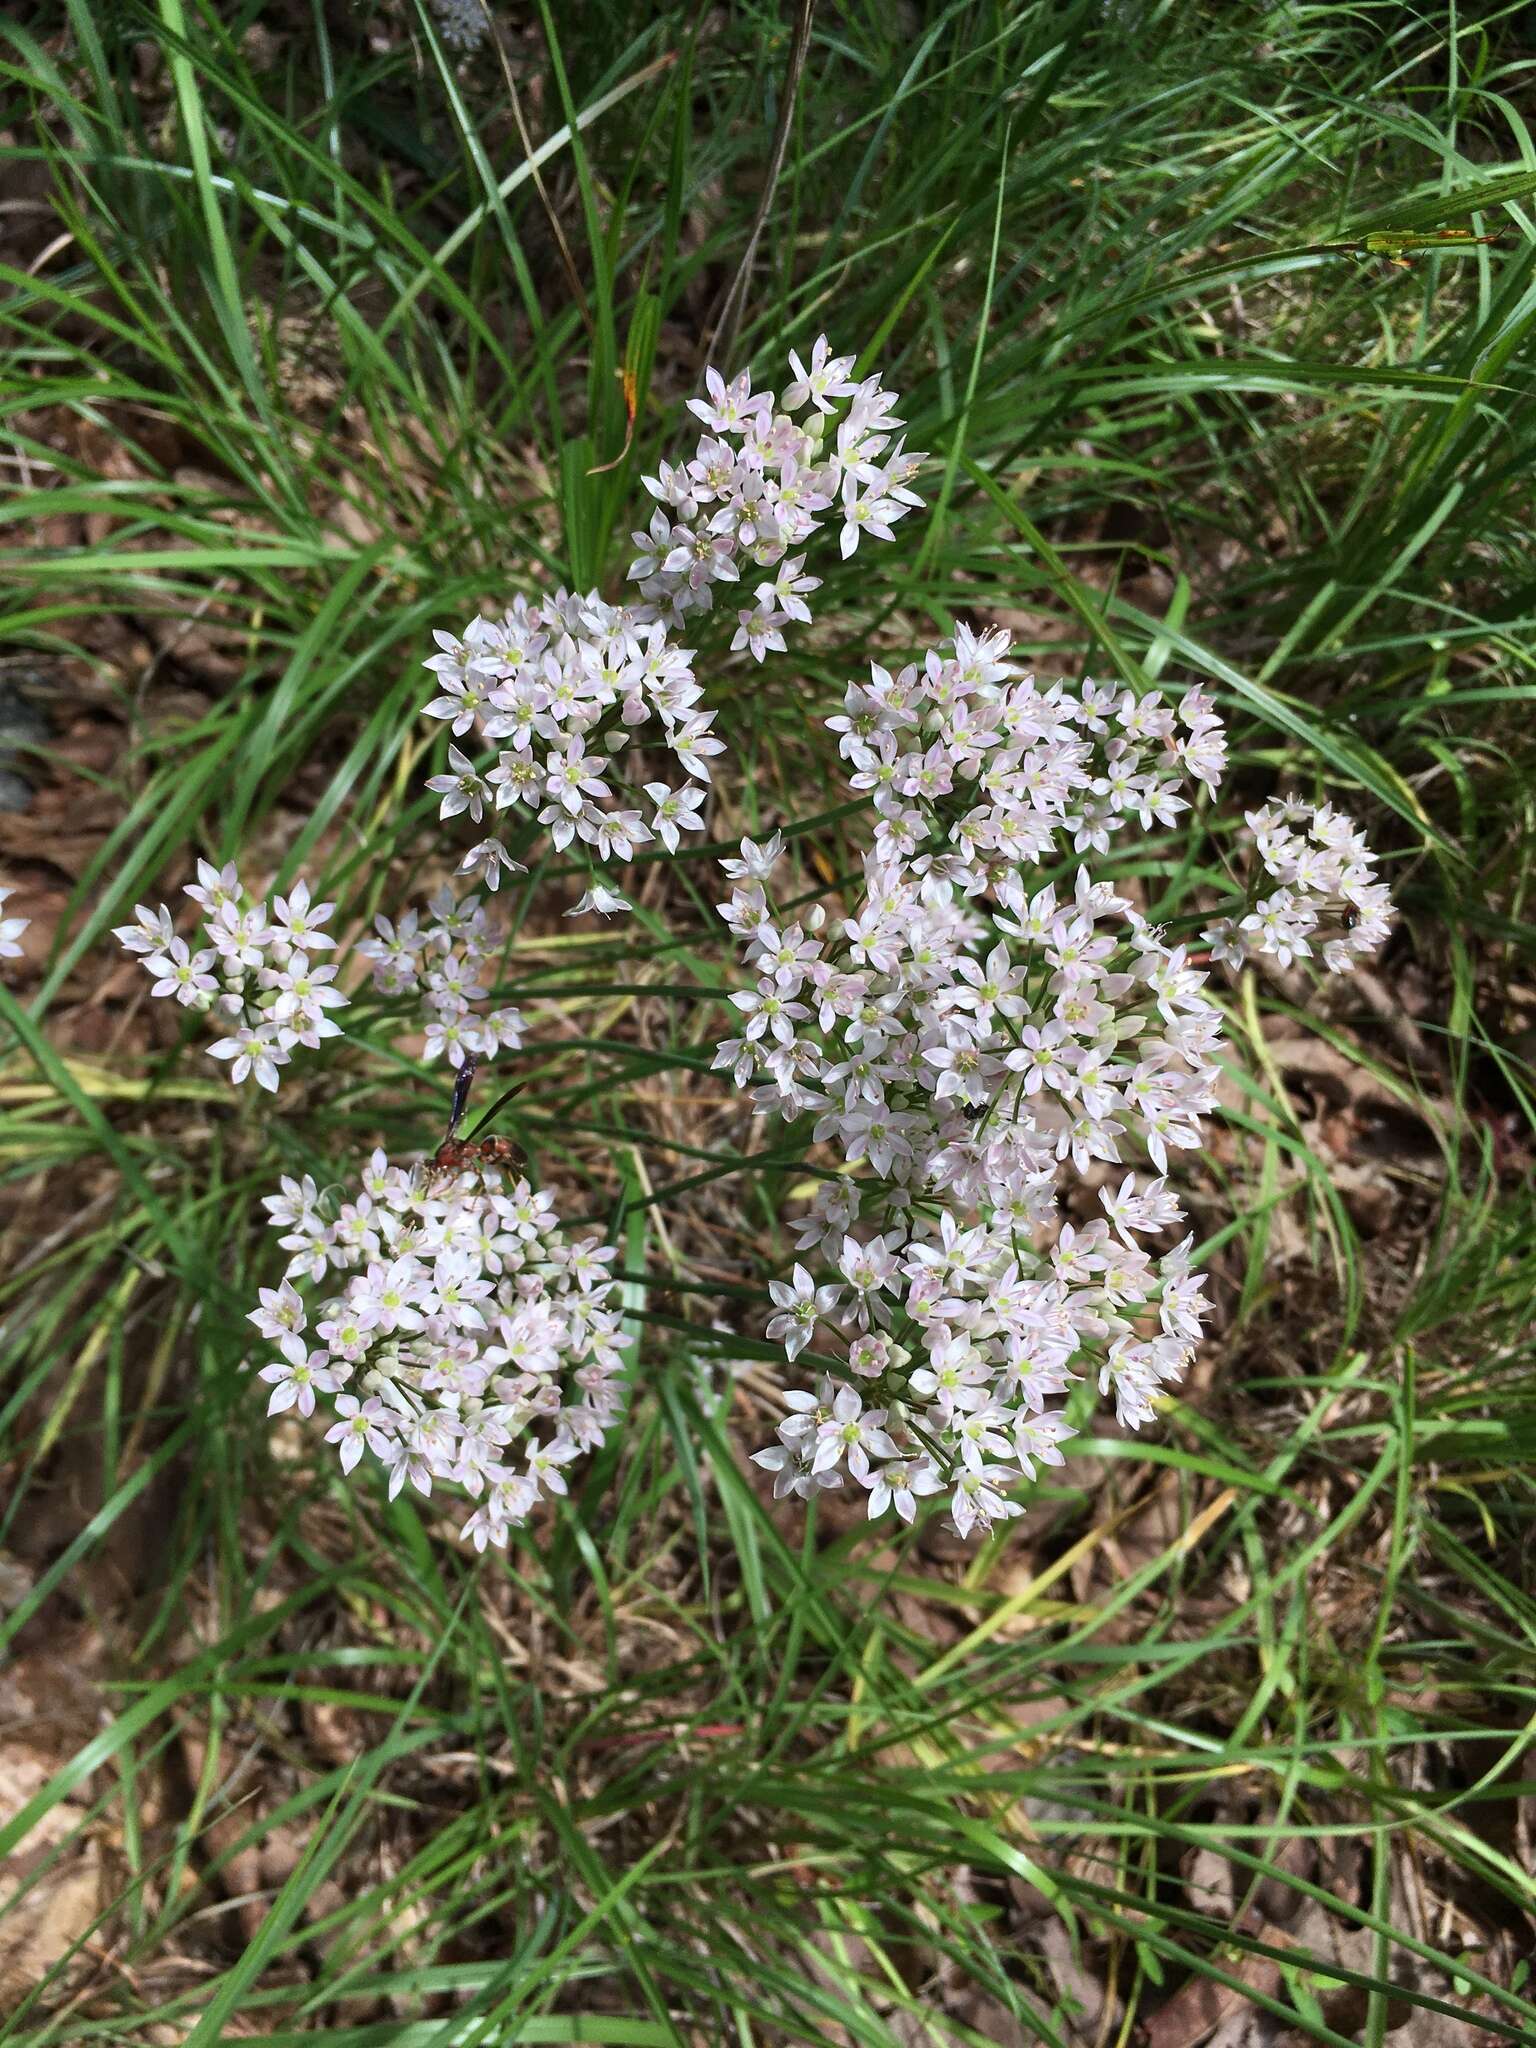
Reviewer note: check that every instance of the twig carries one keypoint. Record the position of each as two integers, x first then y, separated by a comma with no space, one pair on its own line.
728,318
569,261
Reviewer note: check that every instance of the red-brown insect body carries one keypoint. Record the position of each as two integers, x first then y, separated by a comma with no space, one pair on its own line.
476,1155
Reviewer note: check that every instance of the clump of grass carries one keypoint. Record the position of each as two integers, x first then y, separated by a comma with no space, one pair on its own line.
295,372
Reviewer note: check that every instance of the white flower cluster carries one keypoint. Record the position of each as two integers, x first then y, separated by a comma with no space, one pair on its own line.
757,483
257,971
541,679
476,1344
968,1043
462,24
11,928
1329,897
559,686
444,963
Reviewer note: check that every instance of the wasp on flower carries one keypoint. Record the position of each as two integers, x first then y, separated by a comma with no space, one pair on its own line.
456,1155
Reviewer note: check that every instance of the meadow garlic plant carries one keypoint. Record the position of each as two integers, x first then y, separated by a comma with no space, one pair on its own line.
257,974
1001,1054
1003,1069
559,685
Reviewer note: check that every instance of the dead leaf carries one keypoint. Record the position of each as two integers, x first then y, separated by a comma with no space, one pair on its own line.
50,1888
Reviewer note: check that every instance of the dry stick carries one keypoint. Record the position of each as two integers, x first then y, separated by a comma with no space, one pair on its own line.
729,315
526,139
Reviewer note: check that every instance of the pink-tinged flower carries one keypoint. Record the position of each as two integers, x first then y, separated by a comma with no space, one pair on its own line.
759,631
900,1485
676,811
955,1379
980,1501
853,1435
603,901
455,1038
215,887
616,834
241,938
463,700
822,383
151,932
768,1012
865,510
757,862
694,744
1040,1437
572,778
254,1050
492,859
463,788
298,920
545,1462
363,1425
183,974
304,994
281,1319
295,1383
794,1471
800,1303
727,407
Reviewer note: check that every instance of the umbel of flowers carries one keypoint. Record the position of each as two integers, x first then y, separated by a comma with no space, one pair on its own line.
974,1042
464,1337
462,24
442,961
558,687
1328,899
257,975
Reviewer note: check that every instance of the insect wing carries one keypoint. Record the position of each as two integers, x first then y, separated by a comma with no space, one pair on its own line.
461,1087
